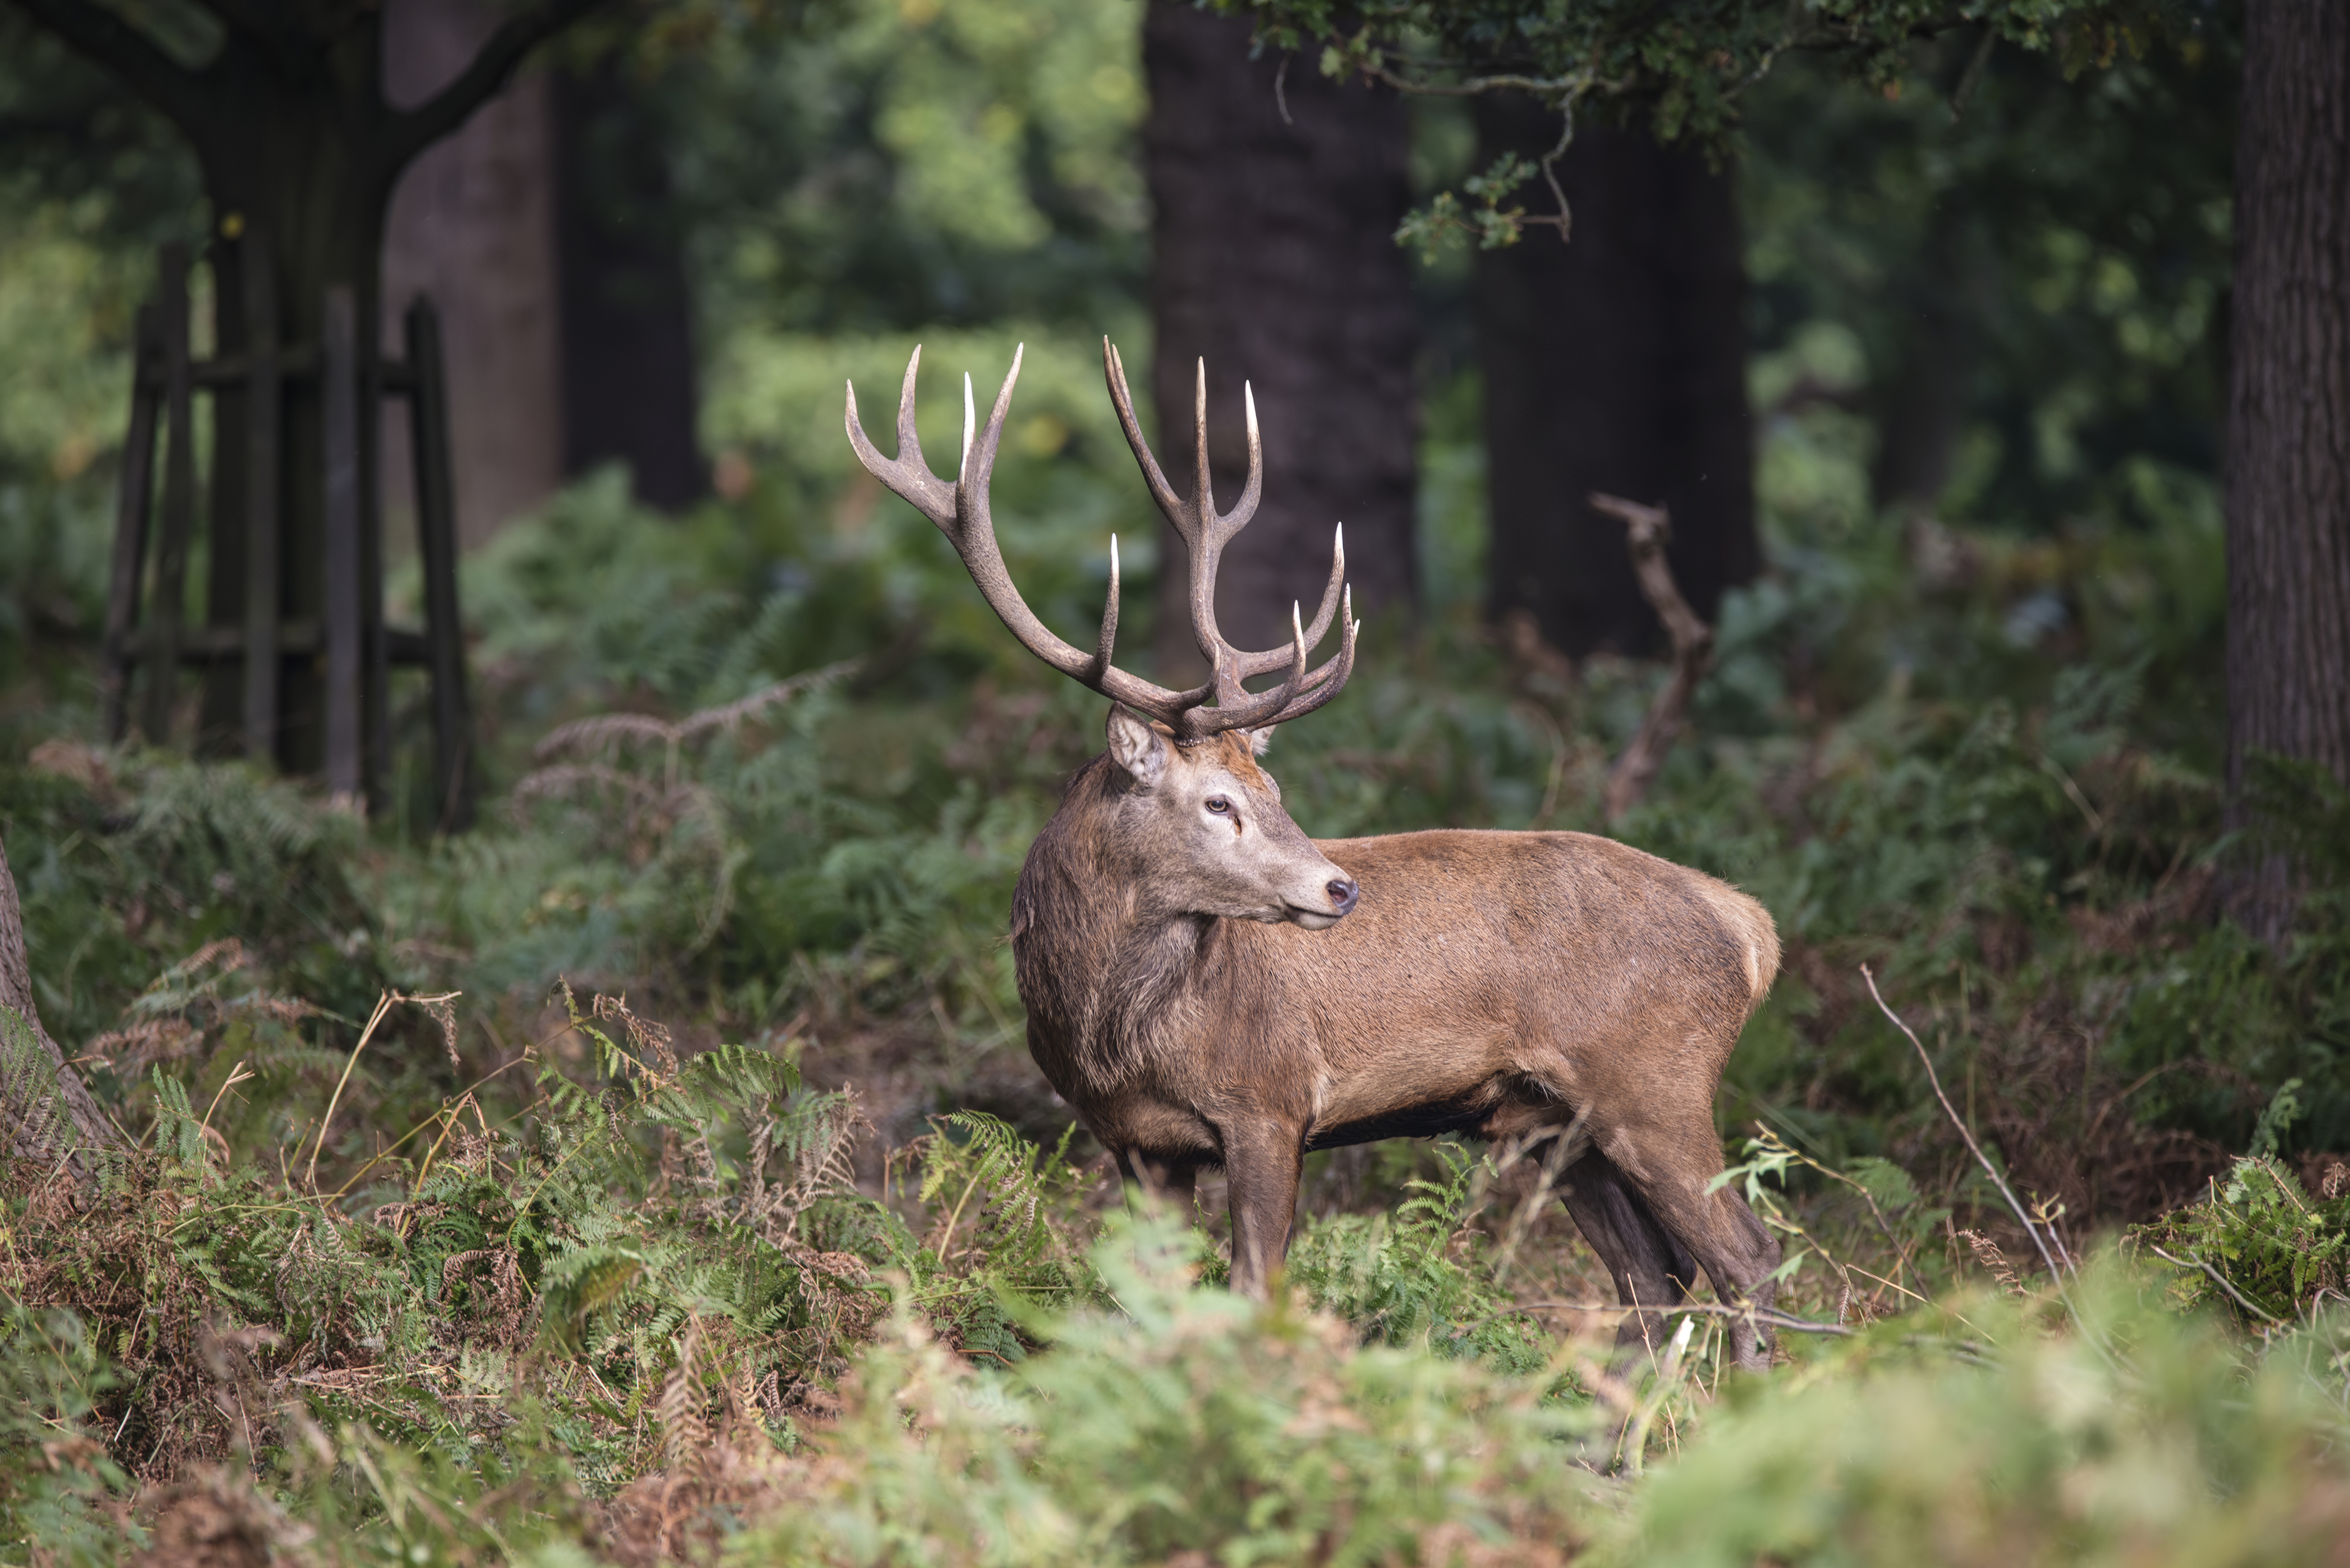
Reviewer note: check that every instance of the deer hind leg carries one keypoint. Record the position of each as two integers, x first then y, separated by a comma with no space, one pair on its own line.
1649,1266
1738,1254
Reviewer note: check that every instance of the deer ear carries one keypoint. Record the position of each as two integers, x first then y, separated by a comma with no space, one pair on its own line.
1136,745
1259,740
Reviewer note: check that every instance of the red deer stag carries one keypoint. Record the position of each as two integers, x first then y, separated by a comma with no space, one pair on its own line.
1210,987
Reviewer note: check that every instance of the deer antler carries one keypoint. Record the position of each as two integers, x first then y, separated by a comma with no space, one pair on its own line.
960,511
1205,534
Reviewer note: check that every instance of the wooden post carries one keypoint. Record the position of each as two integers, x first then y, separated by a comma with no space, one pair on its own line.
436,531
375,643
341,624
130,521
162,649
263,591
214,635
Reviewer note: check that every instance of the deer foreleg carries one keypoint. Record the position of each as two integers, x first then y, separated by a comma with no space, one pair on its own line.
1261,1166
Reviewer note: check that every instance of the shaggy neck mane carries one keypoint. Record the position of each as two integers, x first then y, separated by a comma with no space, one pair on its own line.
1104,980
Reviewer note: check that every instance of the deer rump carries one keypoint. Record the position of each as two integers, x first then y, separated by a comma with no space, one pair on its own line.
1209,987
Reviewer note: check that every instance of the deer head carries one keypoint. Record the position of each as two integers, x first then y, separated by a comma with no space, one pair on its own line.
1198,823
1200,830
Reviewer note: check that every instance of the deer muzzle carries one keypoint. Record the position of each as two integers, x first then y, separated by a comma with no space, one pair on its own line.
1342,894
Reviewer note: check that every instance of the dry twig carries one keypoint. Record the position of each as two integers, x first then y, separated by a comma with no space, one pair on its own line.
1997,1181
1648,530
2218,1279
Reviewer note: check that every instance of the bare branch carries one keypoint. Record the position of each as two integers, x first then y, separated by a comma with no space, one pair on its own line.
1473,86
2192,1261
491,69
111,42
1997,1181
1648,530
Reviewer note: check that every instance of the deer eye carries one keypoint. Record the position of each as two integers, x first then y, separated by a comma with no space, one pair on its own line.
1220,805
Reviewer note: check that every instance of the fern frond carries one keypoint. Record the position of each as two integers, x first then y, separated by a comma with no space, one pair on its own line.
41,1127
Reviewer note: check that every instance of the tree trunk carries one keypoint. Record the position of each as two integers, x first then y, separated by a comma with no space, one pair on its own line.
472,225
49,1111
2288,439
1275,258
287,159
1615,363
1922,406
627,319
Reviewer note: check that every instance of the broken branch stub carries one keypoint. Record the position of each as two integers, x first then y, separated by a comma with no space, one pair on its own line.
1648,530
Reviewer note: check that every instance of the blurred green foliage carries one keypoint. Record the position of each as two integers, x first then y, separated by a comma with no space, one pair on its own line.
902,161
2070,235
1971,1434
1686,70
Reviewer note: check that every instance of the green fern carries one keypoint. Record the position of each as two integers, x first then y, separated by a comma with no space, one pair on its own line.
42,1127
1409,1278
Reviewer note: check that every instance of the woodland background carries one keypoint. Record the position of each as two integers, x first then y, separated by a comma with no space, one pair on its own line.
720,1210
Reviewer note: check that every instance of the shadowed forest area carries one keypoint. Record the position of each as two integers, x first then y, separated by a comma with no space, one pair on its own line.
594,1123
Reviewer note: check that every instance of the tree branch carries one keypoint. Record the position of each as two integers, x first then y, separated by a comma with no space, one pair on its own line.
109,41
491,69
1646,530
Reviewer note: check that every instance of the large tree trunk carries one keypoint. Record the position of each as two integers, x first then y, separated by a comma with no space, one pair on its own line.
1922,406
286,157
1275,258
626,319
50,1112
2288,446
472,225
1615,363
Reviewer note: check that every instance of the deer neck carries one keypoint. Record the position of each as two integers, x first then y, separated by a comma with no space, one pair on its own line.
1108,980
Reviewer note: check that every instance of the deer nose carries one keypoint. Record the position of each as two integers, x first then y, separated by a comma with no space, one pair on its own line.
1343,893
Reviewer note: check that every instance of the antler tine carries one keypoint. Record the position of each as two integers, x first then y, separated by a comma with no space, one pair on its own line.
907,474
1114,372
1203,485
1251,665
1237,709
1254,490
1327,681
963,463
910,440
1108,638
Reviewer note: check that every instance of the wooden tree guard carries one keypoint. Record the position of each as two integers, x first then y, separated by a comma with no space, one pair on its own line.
355,646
